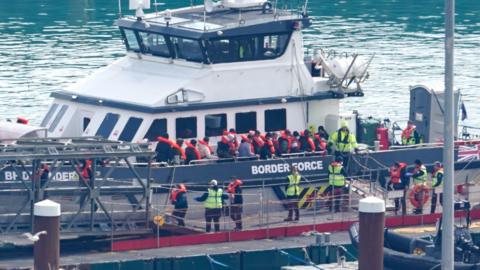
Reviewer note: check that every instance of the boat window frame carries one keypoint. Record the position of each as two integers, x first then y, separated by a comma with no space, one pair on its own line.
51,111
107,126
269,121
200,43
125,40
212,132
242,130
167,41
130,124
194,129
58,118
154,132
258,38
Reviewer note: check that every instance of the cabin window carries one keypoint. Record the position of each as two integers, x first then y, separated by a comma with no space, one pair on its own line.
274,45
107,125
247,48
86,122
187,49
130,129
215,124
49,114
158,128
131,40
57,119
275,120
186,127
244,122
154,44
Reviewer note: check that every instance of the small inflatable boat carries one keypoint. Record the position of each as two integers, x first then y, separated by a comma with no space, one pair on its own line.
403,252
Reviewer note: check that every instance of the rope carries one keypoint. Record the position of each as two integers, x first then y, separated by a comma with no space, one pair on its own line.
214,262
302,261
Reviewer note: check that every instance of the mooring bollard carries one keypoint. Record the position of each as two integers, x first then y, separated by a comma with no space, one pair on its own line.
46,250
372,223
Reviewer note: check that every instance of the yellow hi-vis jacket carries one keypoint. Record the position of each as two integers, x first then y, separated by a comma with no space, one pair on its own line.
335,176
422,179
214,199
343,141
293,188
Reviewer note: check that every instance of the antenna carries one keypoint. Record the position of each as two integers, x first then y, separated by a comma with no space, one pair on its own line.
119,8
304,11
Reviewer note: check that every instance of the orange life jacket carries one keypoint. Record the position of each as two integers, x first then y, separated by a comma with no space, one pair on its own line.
395,173
87,169
231,187
202,142
197,153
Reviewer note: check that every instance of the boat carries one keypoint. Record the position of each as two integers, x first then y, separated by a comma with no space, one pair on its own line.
424,253
198,71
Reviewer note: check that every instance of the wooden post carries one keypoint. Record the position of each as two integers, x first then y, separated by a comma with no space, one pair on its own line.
372,223
46,251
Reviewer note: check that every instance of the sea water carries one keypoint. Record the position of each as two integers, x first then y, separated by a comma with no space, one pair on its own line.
46,45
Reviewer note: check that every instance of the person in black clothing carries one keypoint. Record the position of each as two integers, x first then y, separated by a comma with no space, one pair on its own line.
322,133
163,148
191,152
306,142
179,200
236,202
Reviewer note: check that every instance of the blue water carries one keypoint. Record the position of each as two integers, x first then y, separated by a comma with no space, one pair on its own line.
45,45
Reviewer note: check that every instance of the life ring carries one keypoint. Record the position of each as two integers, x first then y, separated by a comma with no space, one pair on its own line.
416,189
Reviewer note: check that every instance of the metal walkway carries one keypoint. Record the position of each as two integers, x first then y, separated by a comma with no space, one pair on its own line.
86,206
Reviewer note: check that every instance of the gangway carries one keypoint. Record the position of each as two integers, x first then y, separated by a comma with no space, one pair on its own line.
101,203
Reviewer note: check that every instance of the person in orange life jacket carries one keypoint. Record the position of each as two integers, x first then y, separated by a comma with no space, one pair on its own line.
399,181
337,186
257,142
295,145
205,150
177,153
225,147
86,178
245,148
410,135
234,191
419,176
285,142
178,197
213,202
306,142
268,149
276,144
292,190
234,141
191,152
437,181
320,143
163,148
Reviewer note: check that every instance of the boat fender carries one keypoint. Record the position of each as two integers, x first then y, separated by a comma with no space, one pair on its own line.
266,7
416,189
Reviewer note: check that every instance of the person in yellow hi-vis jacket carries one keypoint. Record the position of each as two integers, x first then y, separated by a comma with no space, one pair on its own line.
213,203
336,189
293,193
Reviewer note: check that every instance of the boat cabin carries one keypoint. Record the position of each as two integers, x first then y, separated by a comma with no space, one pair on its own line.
199,70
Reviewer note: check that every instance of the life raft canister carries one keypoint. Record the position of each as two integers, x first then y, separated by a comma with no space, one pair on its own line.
416,189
